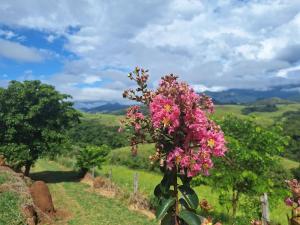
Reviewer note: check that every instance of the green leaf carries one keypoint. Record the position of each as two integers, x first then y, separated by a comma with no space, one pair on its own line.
190,196
168,219
184,203
157,191
166,183
189,217
164,207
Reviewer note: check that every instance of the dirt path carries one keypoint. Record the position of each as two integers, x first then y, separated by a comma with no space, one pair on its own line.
77,206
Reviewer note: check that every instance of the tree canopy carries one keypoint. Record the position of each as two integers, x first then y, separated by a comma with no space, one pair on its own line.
291,123
251,159
91,156
33,120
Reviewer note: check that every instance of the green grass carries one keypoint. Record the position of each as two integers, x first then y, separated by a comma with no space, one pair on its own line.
4,177
85,207
10,202
103,119
289,164
10,213
123,177
263,118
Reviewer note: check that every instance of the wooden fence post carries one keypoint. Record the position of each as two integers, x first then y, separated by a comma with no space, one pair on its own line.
110,174
265,209
135,183
110,177
93,172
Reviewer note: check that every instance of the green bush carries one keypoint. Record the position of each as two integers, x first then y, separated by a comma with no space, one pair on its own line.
153,201
296,173
291,123
91,156
260,108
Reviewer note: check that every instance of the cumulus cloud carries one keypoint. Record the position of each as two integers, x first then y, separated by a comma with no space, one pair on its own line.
19,52
7,34
212,44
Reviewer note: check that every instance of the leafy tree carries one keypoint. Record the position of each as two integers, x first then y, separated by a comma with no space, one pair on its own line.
91,156
291,123
260,108
252,155
33,121
296,172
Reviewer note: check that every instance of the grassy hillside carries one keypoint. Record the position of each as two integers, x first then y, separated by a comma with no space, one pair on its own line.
265,118
12,197
81,206
123,176
103,119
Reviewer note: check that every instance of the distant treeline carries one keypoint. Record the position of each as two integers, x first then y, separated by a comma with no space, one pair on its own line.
90,133
260,108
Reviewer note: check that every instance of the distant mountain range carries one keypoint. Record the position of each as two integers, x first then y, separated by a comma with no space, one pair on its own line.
243,96
106,108
291,93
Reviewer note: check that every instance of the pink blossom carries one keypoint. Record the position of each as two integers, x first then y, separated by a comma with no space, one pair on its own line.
164,113
207,103
216,143
180,116
137,127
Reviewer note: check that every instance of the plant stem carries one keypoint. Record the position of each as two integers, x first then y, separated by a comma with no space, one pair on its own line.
176,196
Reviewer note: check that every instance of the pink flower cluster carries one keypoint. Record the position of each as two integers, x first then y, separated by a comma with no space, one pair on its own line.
294,186
165,113
135,117
182,111
179,114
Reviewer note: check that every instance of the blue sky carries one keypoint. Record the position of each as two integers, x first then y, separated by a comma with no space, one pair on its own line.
86,48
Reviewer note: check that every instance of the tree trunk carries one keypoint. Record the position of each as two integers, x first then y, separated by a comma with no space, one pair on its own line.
83,172
27,169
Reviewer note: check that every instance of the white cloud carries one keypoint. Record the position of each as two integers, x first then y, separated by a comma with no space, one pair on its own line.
50,38
284,72
211,44
202,88
19,52
91,79
7,34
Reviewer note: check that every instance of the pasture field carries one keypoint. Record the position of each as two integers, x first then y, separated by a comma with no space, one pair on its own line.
103,119
263,118
78,204
123,176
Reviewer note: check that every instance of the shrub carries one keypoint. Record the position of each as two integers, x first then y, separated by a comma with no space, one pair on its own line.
260,108
91,156
186,141
296,173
